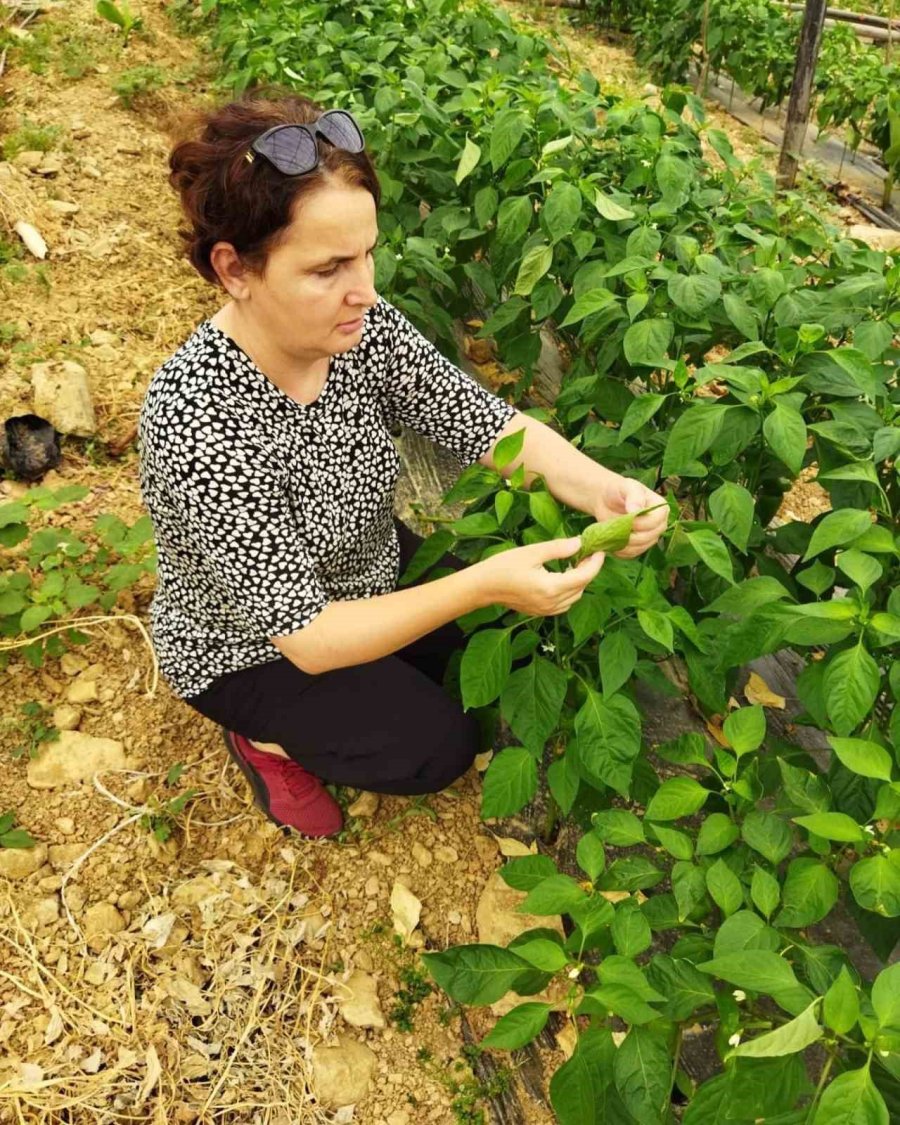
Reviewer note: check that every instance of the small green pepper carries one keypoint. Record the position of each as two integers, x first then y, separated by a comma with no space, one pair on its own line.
609,535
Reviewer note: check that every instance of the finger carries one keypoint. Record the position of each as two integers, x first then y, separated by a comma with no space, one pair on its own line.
555,549
575,579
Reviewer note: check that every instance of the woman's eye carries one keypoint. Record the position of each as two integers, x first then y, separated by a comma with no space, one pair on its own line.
327,273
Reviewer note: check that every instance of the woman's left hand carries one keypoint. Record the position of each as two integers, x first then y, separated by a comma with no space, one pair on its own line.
623,495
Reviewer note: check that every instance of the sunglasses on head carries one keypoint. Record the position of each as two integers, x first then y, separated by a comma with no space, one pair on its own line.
293,150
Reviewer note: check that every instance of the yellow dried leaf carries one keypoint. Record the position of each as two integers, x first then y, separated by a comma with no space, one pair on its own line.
511,847
758,691
406,910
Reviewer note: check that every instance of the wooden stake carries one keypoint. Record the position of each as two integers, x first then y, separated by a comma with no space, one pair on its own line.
801,90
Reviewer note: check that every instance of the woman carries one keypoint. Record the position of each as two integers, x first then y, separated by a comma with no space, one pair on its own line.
268,469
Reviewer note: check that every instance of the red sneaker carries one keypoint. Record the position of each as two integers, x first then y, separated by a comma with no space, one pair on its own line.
285,792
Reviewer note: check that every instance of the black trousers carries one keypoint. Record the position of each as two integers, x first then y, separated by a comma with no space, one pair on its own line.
387,726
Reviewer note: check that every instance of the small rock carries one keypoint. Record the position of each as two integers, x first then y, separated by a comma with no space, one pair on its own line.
445,854
62,856
100,922
366,804
398,1117
128,900
66,717
380,858
341,1074
372,886
71,663
363,960
52,685
454,917
81,690
874,237
63,397
357,999
421,854
65,825
73,757
51,165
97,972
100,336
195,891
50,883
42,912
19,863
63,207
29,160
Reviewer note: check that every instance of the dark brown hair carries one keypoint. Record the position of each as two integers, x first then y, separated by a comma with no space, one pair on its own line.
226,198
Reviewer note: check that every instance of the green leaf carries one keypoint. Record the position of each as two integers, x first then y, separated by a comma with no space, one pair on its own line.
852,1099
485,666
643,242
486,200
694,293
673,175
509,783
647,341
724,887
618,827
741,316
556,894
587,304
785,432
832,826
542,952
676,843
657,627
618,658
508,449
587,616
17,838
744,930
609,209
533,267
609,738
684,987
745,729
810,891
792,1037
731,507
859,567
886,997
851,684
837,529
471,154
713,552
689,889
641,1070
676,797
756,969
717,832
476,974
765,891
508,129
868,759
590,855
841,1010
561,210
640,410
33,617
532,700
527,871
578,1087
692,434
514,217
875,883
13,512
518,1027
631,931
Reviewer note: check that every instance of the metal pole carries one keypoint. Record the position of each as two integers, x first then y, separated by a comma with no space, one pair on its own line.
801,90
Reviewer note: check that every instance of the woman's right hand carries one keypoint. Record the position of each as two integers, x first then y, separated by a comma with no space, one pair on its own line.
517,578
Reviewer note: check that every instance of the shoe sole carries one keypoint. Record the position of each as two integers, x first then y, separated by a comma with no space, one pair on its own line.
260,793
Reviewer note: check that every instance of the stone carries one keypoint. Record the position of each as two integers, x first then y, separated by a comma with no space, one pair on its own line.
51,164
100,336
366,804
19,863
398,1117
341,1074
195,891
99,922
445,854
66,717
421,854
498,922
63,397
128,900
42,912
358,1002
83,689
62,856
63,207
877,238
71,663
29,160
73,757
65,825
372,887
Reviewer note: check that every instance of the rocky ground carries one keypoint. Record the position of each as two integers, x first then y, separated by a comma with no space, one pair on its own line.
186,962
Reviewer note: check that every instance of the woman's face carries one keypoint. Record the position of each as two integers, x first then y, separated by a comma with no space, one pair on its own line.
320,275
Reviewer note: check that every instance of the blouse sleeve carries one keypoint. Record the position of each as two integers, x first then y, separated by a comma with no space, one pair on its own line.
425,391
234,507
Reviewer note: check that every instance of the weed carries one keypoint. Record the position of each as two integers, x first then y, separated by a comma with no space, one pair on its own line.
161,819
33,729
30,137
10,331
467,1092
9,251
121,15
416,989
132,85
11,837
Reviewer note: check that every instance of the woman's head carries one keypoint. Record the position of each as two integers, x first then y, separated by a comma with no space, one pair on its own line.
267,237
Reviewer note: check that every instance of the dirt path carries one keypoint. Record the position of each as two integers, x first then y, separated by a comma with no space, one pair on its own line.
203,969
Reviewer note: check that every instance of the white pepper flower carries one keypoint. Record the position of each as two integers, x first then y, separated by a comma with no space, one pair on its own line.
739,995
735,1039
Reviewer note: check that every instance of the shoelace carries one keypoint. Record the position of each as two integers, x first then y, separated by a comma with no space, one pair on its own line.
296,780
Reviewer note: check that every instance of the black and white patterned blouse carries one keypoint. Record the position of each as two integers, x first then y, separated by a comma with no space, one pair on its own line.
265,509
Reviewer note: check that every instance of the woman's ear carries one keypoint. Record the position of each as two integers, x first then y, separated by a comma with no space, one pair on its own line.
230,270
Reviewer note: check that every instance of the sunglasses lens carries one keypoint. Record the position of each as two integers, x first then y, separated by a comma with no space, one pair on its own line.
343,132
292,150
